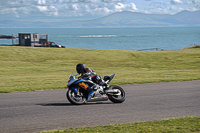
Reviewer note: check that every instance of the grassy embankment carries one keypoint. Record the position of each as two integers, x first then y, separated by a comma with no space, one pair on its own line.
193,47
177,125
26,68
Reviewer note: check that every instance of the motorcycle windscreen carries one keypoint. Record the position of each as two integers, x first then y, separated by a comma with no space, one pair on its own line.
109,77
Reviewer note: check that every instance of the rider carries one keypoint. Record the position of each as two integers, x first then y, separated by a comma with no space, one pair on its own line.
88,73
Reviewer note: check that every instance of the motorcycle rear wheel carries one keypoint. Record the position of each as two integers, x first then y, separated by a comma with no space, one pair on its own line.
117,98
74,98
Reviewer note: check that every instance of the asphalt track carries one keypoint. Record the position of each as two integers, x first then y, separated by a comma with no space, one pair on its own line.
44,110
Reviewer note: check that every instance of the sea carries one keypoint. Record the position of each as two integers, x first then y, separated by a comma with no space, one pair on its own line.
141,38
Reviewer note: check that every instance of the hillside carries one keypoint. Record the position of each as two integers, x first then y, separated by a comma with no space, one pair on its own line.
33,68
118,19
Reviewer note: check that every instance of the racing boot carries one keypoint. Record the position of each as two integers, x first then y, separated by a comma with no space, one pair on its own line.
104,84
100,90
92,93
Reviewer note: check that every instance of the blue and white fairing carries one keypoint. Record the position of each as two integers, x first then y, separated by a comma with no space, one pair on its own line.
72,79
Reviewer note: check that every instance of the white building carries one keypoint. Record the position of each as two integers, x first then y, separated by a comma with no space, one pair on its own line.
32,39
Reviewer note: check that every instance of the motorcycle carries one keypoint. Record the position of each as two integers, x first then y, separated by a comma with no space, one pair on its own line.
77,91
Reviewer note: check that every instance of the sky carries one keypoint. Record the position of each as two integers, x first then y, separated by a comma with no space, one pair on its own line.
64,10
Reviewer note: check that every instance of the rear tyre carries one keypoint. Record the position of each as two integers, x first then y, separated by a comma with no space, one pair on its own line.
74,98
119,97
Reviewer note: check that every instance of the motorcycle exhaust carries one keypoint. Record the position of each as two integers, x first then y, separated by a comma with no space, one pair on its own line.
113,92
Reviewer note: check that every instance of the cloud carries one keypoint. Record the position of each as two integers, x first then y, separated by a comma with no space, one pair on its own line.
89,8
194,2
133,6
41,2
174,2
172,6
193,5
111,1
64,8
42,8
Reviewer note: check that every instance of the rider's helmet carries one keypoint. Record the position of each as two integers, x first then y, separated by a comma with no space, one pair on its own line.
81,68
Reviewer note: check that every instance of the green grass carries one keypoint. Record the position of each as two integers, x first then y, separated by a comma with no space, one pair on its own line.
27,68
176,125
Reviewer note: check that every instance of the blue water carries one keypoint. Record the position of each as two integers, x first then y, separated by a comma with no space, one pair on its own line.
115,38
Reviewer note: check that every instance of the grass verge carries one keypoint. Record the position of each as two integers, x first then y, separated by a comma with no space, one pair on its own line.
31,68
176,125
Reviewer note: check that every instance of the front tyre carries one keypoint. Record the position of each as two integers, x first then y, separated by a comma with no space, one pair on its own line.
119,97
74,98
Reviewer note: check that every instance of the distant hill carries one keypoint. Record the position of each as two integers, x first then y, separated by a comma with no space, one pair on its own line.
185,18
118,19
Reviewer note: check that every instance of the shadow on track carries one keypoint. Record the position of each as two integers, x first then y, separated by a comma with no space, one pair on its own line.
55,104
69,104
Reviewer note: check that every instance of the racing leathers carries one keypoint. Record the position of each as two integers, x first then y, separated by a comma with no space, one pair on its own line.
93,80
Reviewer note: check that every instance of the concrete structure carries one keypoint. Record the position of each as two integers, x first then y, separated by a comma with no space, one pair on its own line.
32,39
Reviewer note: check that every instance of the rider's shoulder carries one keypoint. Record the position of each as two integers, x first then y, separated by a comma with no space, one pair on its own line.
88,69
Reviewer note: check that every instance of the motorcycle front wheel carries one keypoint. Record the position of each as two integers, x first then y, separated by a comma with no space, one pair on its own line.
76,98
119,97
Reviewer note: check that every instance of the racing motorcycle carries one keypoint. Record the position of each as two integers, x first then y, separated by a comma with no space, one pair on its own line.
77,91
